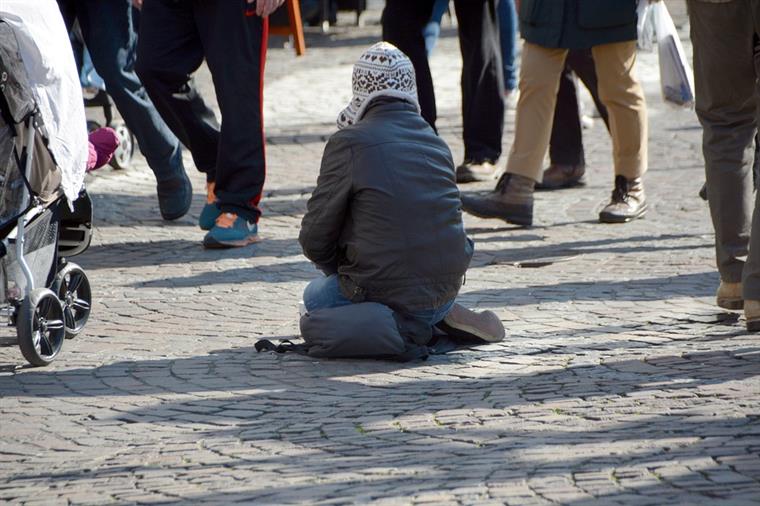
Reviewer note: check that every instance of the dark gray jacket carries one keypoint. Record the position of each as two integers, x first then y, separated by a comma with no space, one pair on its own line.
577,24
386,214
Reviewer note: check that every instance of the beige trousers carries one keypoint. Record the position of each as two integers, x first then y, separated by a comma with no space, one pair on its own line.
540,71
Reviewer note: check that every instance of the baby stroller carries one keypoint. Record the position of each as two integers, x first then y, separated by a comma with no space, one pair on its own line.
44,296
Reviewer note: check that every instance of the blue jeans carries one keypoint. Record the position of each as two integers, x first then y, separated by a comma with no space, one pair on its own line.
109,33
324,292
88,77
433,29
507,15
508,39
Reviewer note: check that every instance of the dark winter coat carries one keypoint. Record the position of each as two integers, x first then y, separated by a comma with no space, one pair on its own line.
577,24
386,214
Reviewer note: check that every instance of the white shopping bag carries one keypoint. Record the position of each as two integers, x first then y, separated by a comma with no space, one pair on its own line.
676,80
645,27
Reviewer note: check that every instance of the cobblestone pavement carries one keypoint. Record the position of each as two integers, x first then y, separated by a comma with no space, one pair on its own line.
620,381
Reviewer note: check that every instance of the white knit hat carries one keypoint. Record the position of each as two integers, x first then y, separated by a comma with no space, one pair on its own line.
382,70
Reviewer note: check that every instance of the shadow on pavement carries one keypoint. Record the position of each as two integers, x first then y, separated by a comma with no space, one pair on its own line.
357,419
283,272
172,251
124,209
699,284
612,245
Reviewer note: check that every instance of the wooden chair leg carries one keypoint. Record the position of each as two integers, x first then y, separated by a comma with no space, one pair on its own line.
296,26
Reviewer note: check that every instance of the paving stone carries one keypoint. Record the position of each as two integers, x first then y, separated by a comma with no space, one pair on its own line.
619,382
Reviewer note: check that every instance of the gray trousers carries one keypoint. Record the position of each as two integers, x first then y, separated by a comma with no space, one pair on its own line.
725,71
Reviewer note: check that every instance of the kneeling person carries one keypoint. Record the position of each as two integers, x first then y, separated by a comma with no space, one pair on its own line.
384,223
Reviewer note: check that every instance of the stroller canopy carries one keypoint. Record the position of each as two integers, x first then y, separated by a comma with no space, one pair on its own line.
44,47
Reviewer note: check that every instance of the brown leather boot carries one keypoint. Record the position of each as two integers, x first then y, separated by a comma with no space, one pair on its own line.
471,171
511,201
628,201
729,295
562,176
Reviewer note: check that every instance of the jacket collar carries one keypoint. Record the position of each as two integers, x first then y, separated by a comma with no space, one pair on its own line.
388,104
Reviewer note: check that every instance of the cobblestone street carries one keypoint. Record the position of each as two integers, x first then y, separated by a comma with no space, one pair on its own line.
620,381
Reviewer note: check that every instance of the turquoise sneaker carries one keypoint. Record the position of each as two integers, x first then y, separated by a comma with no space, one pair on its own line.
231,231
210,211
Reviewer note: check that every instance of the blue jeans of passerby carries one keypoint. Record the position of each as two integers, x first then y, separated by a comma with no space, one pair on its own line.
433,28
109,33
507,36
324,292
508,39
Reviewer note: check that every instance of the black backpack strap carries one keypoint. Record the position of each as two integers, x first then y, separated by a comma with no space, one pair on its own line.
412,352
283,347
442,344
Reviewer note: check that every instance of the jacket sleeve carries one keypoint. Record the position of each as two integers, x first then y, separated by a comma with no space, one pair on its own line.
326,210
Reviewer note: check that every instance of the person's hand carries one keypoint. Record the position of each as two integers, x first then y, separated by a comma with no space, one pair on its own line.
266,7
137,4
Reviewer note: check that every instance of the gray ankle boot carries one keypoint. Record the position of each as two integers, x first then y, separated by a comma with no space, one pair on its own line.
511,201
628,201
562,176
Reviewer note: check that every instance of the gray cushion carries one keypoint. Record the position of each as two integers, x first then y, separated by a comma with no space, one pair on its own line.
367,329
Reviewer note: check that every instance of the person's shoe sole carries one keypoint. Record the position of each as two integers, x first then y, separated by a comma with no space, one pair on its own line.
467,332
523,222
730,303
510,215
211,243
464,331
567,184
616,218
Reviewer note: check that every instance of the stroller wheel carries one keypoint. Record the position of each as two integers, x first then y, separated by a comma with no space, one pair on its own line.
122,157
73,290
40,327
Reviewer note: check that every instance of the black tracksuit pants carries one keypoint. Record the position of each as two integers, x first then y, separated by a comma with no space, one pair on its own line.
482,79
175,37
566,145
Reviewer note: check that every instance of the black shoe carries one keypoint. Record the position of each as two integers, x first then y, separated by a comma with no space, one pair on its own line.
174,197
511,201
